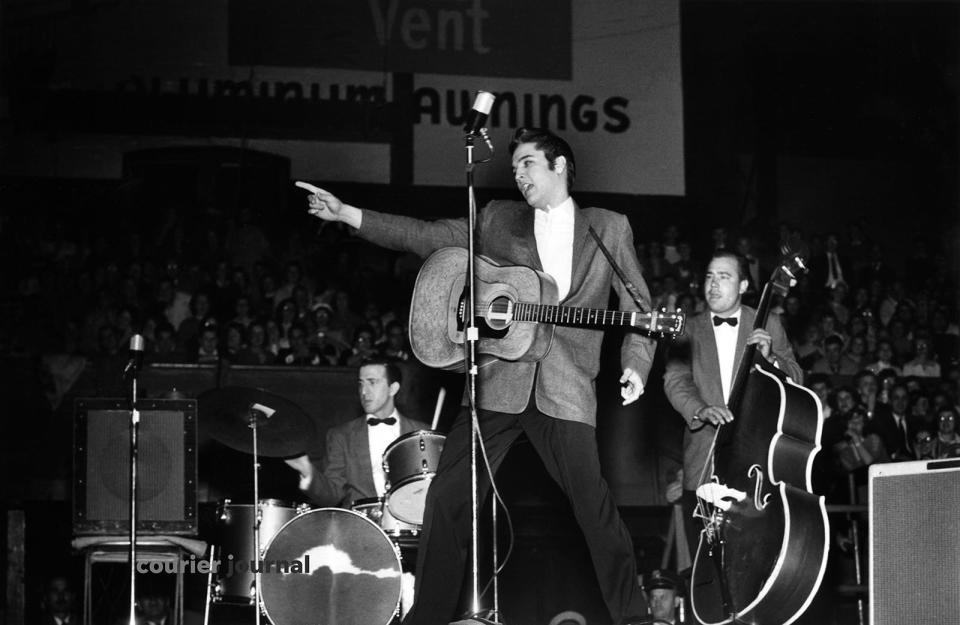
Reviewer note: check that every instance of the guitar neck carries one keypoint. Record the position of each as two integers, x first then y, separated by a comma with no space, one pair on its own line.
576,316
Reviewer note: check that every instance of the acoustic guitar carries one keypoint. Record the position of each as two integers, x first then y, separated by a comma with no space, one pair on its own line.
517,310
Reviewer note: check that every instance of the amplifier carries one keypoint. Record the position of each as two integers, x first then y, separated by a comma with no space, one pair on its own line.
166,467
915,542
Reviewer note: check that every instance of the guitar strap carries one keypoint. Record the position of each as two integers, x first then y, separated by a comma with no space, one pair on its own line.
631,288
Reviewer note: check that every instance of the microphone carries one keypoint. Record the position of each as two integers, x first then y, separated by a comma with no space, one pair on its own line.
477,118
136,356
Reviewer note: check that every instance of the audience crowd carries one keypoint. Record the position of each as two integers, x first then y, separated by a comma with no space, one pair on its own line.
876,333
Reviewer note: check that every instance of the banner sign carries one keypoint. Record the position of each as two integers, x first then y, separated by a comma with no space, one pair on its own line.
333,84
460,37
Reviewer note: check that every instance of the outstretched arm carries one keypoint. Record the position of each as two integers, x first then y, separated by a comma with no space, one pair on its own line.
393,232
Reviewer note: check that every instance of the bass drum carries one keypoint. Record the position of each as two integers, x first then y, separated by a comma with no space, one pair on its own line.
330,567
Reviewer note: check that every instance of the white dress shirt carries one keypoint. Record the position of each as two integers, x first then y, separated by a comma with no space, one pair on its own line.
726,336
380,437
553,229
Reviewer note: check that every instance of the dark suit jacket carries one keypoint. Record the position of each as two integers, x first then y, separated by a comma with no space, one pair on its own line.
345,473
564,380
885,426
692,380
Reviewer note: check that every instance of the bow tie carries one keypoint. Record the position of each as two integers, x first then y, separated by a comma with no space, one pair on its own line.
376,421
722,320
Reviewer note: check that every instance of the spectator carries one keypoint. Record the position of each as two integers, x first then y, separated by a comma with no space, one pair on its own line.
242,311
299,354
819,383
234,342
256,351
885,358
664,596
207,352
165,348
891,425
923,445
200,313
834,362
396,345
922,365
59,603
857,449
948,440
362,349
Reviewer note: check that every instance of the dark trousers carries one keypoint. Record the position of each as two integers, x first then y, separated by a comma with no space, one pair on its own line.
691,525
569,452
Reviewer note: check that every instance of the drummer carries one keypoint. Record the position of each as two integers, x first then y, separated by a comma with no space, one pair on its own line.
352,468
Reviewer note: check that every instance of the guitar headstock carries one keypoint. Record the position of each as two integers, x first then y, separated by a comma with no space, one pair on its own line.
663,324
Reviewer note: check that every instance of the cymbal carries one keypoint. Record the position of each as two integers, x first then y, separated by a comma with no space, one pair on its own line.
283,428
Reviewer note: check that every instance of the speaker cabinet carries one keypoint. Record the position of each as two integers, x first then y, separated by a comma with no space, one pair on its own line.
166,467
915,542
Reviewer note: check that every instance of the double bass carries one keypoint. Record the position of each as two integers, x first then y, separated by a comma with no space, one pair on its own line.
762,551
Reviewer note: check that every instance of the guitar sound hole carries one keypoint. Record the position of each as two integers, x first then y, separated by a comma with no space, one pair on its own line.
499,313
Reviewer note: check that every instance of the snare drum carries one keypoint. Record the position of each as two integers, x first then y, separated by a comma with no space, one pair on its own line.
410,463
330,567
404,534
235,528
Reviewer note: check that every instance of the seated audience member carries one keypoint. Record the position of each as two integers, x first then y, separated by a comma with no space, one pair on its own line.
921,414
165,347
299,354
154,606
326,340
59,603
363,347
923,364
810,349
948,440
858,449
234,342
923,445
190,328
834,362
208,352
256,352
396,346
886,378
857,350
664,596
286,319
867,389
891,423
819,383
885,358
242,311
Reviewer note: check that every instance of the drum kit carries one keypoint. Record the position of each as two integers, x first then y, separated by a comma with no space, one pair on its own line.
325,566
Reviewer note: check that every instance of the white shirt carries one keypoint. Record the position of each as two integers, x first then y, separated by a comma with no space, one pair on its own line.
553,229
380,436
726,336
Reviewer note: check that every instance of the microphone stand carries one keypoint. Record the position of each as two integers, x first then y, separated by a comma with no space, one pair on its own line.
472,336
134,432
